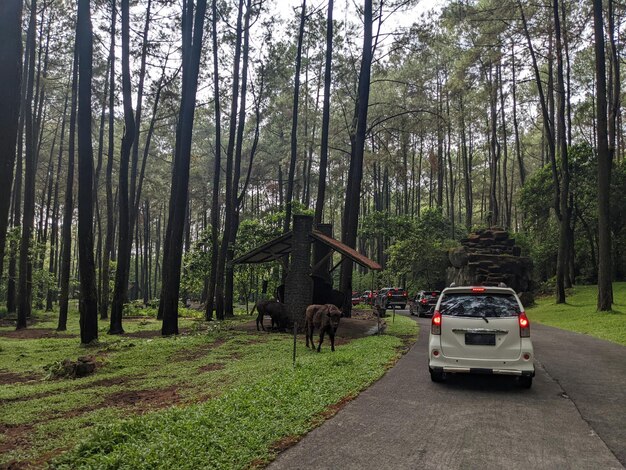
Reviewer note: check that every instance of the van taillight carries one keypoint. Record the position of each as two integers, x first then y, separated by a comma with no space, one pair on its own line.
435,326
524,325
388,294
424,301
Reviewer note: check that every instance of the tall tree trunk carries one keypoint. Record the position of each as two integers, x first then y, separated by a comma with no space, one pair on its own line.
505,182
294,121
563,253
134,197
25,276
518,151
321,188
87,267
109,238
605,288
54,236
229,210
10,92
217,169
68,209
236,203
494,212
192,45
120,292
355,175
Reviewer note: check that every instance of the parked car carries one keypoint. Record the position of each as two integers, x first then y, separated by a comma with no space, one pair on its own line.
423,304
356,298
390,297
368,297
480,330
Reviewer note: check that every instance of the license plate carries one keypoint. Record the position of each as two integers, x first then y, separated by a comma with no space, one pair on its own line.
480,339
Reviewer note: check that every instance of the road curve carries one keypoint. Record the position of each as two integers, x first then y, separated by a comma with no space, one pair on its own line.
405,421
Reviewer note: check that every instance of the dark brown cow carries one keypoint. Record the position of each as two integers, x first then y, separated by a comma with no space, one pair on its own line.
276,310
326,319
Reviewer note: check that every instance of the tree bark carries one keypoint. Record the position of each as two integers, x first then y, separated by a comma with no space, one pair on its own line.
87,267
24,285
321,189
109,238
563,253
217,169
120,292
68,210
605,288
229,210
355,175
192,46
294,122
10,92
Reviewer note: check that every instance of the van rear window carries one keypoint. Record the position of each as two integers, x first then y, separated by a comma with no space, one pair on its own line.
479,305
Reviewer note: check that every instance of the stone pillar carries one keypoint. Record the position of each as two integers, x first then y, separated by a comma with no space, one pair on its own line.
299,285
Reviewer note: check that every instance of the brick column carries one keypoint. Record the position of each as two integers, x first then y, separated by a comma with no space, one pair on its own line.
299,285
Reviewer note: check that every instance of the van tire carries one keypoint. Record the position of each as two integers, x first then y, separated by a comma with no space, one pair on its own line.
437,376
525,381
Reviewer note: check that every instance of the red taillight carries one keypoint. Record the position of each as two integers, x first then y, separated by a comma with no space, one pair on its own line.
388,294
524,325
478,290
424,301
434,294
435,326
405,294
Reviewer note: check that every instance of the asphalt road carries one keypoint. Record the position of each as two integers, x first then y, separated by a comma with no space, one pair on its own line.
574,416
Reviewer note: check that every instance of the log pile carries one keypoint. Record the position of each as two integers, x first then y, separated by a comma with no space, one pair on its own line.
490,257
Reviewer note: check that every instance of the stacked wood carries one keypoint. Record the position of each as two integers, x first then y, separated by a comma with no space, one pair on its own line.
490,257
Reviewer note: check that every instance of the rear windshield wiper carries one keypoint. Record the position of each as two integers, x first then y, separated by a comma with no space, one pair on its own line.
484,317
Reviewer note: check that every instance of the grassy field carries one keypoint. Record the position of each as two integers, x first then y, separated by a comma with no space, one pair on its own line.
579,313
219,395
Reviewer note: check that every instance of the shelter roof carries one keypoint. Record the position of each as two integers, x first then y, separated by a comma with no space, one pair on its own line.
281,246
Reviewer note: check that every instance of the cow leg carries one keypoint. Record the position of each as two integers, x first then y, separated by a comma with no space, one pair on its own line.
332,341
319,346
307,327
309,335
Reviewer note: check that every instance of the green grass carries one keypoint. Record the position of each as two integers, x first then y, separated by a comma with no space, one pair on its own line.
235,394
579,313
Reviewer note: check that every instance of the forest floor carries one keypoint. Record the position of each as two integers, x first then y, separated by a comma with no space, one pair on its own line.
579,313
218,395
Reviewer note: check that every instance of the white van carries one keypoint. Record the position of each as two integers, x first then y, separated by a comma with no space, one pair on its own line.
480,330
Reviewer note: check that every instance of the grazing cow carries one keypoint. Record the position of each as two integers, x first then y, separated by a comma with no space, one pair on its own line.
261,308
326,319
277,312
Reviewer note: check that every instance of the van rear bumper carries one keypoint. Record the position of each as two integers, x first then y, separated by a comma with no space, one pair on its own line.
483,371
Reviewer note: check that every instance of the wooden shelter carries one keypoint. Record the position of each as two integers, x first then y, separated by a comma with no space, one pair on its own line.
307,282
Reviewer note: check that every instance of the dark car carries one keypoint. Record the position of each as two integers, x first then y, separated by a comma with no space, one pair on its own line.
368,297
356,298
423,304
391,297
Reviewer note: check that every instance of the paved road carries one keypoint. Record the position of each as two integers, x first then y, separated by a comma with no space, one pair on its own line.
574,417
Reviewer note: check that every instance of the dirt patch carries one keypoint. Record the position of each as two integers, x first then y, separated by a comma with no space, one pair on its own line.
211,367
332,410
14,436
146,400
197,353
35,333
7,378
153,333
